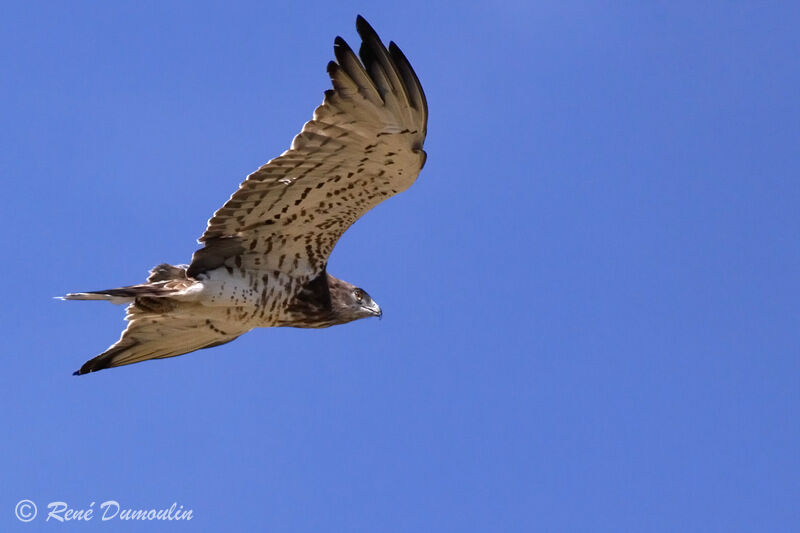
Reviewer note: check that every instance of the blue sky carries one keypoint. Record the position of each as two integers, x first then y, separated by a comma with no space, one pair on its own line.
590,295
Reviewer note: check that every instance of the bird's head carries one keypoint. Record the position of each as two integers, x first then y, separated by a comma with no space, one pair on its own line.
351,303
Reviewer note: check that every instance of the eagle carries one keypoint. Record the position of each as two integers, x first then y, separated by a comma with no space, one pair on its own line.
263,261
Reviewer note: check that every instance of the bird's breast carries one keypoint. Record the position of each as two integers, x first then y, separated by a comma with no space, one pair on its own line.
259,299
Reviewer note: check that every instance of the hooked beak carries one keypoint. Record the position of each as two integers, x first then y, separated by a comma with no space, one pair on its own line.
375,309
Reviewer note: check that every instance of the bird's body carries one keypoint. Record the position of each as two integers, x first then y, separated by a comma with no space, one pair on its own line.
265,254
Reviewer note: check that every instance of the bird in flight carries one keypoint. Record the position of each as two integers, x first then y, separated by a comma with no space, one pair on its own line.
265,252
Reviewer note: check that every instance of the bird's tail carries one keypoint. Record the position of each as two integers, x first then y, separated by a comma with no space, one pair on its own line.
164,281
123,295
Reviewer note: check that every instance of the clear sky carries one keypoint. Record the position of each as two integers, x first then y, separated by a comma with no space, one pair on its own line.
590,296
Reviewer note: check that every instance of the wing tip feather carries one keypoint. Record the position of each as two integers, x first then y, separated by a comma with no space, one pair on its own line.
410,78
332,68
365,28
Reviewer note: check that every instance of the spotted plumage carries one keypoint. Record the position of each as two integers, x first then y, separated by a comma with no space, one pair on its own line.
265,252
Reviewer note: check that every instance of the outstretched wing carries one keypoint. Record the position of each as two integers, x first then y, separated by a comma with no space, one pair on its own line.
363,145
155,335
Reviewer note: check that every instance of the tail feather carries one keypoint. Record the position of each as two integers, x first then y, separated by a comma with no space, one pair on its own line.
86,296
126,294
164,280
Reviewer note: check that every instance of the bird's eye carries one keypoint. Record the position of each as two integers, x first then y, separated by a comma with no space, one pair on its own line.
359,294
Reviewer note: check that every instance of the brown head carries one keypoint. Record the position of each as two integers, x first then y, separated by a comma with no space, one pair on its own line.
327,301
349,302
